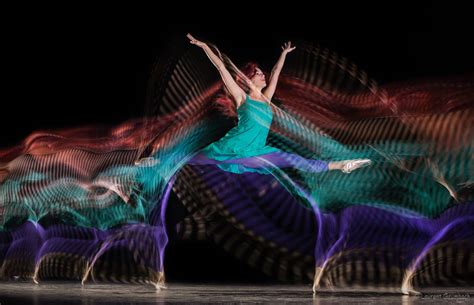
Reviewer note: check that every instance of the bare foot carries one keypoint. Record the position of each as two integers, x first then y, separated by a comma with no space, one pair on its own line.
407,285
409,290
351,165
147,162
317,279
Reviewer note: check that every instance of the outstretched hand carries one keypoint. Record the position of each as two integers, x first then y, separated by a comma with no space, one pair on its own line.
195,41
287,48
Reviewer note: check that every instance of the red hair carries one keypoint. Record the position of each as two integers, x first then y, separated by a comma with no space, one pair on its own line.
224,103
249,69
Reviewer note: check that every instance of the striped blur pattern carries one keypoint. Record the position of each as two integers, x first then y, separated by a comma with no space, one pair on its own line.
79,203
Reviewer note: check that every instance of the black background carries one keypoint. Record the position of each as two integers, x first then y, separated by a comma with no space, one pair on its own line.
66,72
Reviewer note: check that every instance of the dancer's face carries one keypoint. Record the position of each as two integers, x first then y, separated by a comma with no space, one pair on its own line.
259,79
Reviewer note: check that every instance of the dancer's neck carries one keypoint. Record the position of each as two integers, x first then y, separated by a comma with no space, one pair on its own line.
257,95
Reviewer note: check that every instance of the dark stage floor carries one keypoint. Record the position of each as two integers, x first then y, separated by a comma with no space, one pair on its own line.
72,293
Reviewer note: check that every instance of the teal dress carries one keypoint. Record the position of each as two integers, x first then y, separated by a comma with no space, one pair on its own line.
245,140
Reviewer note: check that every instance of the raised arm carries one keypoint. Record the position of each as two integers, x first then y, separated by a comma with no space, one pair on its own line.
270,89
234,89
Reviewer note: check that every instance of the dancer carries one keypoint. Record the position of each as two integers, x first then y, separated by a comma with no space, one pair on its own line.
235,151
